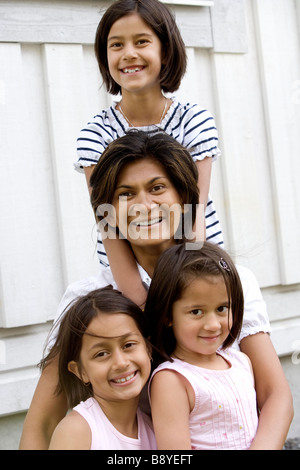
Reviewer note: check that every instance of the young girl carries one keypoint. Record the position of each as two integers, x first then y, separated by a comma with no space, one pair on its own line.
195,304
141,55
104,363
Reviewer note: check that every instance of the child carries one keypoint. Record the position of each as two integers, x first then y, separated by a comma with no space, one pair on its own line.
104,363
195,304
141,55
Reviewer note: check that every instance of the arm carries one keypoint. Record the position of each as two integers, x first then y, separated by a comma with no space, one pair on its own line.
45,412
273,393
72,433
204,174
122,264
170,409
125,272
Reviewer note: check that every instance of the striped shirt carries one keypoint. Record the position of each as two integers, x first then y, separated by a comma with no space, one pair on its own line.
191,125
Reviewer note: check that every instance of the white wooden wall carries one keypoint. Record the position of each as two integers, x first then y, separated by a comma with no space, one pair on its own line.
244,65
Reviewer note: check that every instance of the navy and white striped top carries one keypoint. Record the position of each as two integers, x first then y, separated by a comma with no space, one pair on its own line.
191,125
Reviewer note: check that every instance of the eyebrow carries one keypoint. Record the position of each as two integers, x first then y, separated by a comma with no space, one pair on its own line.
105,338
114,38
128,186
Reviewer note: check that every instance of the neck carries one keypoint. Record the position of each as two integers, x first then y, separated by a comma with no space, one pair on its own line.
144,109
147,258
122,415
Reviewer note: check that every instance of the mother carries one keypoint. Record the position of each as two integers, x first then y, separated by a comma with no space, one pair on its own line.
155,172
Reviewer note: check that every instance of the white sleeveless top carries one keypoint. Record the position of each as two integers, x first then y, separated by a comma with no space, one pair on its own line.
225,412
106,437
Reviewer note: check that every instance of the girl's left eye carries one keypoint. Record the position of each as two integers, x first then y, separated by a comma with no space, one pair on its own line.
196,312
158,187
223,309
129,345
142,41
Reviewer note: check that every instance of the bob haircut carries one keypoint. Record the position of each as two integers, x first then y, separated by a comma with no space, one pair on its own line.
75,320
177,267
138,145
162,22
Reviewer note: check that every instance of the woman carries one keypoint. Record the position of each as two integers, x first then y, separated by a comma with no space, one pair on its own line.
157,172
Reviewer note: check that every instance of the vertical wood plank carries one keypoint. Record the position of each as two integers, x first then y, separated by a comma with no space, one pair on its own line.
279,54
30,262
67,114
245,172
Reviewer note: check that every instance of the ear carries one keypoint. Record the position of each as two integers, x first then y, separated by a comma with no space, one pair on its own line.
73,367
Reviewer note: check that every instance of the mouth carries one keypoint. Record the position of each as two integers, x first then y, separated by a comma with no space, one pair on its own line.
131,70
210,339
124,379
148,223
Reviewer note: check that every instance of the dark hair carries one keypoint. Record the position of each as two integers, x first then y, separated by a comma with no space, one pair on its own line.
161,20
75,320
138,145
174,269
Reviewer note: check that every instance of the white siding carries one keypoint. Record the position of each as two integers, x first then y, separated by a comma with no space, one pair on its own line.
244,65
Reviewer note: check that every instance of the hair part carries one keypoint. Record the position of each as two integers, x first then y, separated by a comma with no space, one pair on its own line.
173,272
73,325
161,20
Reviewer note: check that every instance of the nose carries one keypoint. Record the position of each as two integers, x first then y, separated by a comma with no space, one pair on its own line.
212,322
129,52
144,201
120,360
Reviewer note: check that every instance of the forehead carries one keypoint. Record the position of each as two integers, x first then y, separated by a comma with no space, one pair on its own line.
133,23
204,287
140,170
110,325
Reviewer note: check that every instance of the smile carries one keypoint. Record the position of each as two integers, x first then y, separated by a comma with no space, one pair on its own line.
124,379
148,223
132,70
209,338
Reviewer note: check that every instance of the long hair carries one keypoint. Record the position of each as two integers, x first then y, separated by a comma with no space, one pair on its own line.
161,20
176,268
73,324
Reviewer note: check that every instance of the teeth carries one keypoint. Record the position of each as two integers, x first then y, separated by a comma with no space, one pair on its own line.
137,69
124,379
148,222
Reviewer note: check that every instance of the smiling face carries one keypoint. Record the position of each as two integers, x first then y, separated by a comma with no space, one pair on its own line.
134,54
114,358
142,199
201,319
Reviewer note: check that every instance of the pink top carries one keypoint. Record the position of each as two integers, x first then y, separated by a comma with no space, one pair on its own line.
106,437
225,412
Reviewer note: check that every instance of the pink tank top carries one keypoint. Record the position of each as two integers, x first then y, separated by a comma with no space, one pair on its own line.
106,437
225,411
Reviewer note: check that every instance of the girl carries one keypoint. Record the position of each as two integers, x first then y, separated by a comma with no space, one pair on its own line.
141,55
195,303
104,361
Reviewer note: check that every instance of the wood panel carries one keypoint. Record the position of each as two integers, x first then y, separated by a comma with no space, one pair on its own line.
67,113
282,116
30,262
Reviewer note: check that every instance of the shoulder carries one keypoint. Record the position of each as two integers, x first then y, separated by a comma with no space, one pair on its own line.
238,359
82,287
192,111
170,376
72,433
170,389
